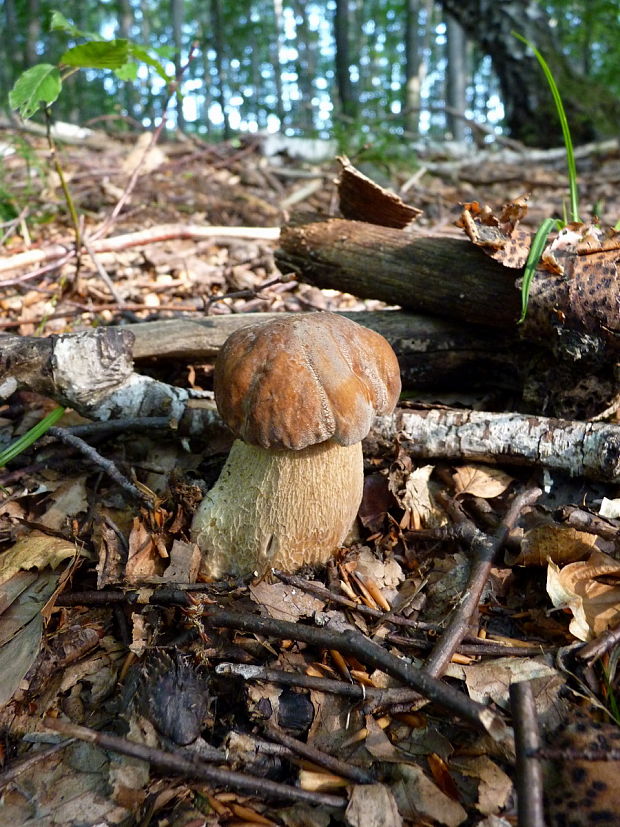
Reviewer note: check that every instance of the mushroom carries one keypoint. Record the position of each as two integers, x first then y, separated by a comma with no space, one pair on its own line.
300,393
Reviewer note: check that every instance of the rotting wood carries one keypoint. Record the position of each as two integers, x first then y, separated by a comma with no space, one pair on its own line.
576,448
446,277
92,372
452,278
432,353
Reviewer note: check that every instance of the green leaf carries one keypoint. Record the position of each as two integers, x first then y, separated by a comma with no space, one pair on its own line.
536,251
25,441
129,71
568,143
111,54
41,84
140,54
59,23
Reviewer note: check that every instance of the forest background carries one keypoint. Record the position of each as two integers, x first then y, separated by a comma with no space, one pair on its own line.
384,72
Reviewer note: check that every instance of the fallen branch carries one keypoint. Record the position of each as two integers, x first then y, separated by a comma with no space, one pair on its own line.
92,372
529,772
453,278
485,549
186,765
576,448
163,232
351,642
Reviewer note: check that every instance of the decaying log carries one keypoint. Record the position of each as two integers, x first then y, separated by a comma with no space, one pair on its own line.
577,448
447,277
454,279
92,372
432,353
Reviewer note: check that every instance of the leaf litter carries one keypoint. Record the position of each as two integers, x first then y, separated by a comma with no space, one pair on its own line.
132,654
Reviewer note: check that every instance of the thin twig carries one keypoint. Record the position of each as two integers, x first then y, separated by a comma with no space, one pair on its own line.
485,550
476,647
103,275
105,464
333,597
352,642
319,757
373,697
602,644
529,781
114,426
18,767
185,764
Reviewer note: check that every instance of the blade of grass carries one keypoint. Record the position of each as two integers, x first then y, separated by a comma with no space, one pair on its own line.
536,250
568,143
25,441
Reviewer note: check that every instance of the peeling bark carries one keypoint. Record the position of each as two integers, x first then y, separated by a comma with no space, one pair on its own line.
576,448
452,278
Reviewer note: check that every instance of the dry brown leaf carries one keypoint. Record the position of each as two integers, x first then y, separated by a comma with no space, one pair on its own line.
417,500
595,605
499,237
372,805
284,602
35,551
418,797
69,498
559,543
490,680
494,786
184,563
481,481
143,559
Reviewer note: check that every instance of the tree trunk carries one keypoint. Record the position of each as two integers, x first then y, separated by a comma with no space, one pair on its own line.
218,47
343,59
530,112
456,80
177,38
276,51
125,22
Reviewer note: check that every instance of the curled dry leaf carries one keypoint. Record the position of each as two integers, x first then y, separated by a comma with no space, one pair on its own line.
417,500
499,236
35,551
560,543
594,602
481,481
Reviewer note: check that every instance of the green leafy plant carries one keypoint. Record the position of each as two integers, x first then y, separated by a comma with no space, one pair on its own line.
550,224
40,85
20,445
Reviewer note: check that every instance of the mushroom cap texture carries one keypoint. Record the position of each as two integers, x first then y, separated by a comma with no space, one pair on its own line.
304,379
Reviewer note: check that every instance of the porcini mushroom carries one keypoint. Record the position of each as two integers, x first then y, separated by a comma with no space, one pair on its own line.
300,393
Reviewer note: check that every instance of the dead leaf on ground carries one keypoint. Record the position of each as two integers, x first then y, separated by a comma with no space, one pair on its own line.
494,786
481,481
35,551
559,543
284,602
417,500
490,680
418,797
580,587
372,805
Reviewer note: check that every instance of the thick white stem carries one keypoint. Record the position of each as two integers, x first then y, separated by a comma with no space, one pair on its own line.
278,508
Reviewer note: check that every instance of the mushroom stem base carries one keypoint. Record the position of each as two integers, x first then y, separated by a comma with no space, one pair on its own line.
278,508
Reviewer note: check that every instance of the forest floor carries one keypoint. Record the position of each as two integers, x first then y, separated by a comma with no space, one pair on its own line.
108,635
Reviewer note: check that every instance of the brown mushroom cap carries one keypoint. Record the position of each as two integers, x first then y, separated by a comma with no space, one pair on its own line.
304,379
